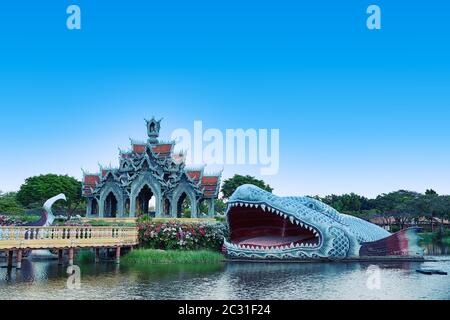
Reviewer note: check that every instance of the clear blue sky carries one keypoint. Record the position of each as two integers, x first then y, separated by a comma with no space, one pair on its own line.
358,110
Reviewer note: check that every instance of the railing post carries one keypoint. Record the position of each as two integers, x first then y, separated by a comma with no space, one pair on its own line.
97,255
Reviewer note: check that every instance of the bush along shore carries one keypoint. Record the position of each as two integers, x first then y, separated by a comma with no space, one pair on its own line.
175,242
175,235
435,237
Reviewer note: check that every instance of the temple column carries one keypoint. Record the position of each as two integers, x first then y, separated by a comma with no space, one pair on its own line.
121,207
194,205
174,208
89,208
158,206
211,207
101,208
132,205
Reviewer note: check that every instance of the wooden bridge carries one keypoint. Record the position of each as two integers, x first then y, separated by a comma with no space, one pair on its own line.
19,239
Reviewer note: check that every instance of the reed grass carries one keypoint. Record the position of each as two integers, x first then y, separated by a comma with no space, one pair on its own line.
152,256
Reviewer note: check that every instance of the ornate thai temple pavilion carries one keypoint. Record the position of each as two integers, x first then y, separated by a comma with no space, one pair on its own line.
150,171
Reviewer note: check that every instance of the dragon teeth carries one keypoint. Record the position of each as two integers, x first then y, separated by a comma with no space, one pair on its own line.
291,219
263,206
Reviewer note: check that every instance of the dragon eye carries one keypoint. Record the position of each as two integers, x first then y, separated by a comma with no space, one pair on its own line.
311,205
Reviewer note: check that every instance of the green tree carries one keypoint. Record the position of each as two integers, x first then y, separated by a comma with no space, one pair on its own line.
434,206
402,205
230,185
9,204
36,190
430,192
348,203
220,206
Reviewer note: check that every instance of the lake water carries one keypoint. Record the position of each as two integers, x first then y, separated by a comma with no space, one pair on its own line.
397,280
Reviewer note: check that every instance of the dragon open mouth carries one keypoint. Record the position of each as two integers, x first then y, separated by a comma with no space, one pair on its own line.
258,226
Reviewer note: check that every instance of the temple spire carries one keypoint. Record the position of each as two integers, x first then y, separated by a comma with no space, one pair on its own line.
153,127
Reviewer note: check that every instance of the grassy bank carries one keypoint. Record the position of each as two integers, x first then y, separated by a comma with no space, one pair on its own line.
433,237
152,256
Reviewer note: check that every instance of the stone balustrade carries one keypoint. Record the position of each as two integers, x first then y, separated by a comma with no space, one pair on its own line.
60,237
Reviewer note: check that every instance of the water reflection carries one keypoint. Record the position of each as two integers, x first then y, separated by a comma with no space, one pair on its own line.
436,249
341,280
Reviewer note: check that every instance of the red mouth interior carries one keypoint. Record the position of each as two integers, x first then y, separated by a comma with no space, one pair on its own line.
258,228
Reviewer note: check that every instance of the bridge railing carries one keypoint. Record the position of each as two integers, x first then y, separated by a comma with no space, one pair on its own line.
66,237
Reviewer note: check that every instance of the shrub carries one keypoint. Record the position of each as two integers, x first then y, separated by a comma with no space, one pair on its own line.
9,204
103,223
220,218
85,256
182,236
7,221
17,220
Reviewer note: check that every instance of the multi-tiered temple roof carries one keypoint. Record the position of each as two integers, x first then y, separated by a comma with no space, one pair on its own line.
149,169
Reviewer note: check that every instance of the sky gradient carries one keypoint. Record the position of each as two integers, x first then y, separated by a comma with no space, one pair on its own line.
358,110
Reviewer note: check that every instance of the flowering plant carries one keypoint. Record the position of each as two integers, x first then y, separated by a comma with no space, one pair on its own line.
6,221
184,236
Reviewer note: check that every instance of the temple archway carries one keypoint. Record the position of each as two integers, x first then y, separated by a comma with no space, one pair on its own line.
94,207
145,201
184,206
166,207
127,206
111,205
202,208
180,194
145,180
